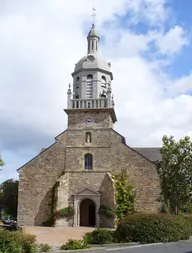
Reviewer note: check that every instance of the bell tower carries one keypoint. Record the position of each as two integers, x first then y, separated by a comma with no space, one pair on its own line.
91,92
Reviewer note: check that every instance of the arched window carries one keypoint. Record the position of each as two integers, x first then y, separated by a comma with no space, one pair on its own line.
77,82
92,44
103,82
103,87
88,162
88,137
89,88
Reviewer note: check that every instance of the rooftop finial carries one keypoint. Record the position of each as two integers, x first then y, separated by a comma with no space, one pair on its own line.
93,16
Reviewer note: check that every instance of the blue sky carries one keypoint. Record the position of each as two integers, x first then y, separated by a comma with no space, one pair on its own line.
148,43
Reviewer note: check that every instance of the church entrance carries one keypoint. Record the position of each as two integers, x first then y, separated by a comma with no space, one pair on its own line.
87,213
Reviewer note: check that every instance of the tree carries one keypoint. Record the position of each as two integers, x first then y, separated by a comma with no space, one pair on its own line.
175,172
124,195
1,162
9,197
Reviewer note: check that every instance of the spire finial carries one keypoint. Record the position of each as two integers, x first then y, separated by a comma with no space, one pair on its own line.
93,16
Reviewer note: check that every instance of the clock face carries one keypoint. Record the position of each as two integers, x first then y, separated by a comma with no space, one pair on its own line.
91,58
88,121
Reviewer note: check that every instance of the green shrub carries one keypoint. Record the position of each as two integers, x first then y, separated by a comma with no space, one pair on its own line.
146,228
187,208
188,218
66,212
107,212
124,195
45,248
17,242
75,244
99,236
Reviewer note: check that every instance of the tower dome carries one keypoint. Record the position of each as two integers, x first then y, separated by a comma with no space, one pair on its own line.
93,60
93,32
92,76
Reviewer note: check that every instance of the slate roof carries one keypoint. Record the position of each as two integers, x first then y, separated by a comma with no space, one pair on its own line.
152,154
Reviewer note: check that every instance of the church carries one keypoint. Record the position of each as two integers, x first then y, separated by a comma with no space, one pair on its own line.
76,171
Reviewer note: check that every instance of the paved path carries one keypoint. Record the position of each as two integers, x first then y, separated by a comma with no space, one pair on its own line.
60,235
56,236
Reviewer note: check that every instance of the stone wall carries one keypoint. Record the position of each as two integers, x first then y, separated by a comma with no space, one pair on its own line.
107,191
62,195
36,180
142,174
80,180
101,119
110,155
100,182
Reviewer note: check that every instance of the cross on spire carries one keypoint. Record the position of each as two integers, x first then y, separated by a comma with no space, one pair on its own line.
93,15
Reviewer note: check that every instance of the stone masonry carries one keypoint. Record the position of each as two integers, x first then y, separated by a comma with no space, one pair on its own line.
63,162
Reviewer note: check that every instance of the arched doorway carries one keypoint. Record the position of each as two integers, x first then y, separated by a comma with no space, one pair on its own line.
87,213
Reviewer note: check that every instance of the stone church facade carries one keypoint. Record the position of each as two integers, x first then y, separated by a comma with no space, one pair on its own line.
81,162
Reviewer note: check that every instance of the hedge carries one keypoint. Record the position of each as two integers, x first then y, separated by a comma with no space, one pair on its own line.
74,245
99,236
153,228
16,242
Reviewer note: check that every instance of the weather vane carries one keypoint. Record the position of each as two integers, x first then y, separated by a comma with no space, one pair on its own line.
93,15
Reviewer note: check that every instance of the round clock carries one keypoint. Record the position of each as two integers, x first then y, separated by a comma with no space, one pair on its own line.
91,58
88,121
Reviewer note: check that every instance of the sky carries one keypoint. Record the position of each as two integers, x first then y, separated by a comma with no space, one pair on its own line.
148,43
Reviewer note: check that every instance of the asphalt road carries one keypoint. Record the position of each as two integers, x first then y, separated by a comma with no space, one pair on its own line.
179,247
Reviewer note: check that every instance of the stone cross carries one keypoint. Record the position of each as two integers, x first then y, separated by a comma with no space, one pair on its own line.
93,15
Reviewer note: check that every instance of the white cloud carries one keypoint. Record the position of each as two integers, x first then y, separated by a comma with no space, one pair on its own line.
182,85
127,43
173,41
40,43
154,12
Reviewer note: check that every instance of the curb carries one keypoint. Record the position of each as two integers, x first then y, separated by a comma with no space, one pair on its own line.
134,246
96,249
108,247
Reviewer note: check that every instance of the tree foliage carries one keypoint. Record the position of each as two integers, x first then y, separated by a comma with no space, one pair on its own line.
124,195
9,197
175,171
1,162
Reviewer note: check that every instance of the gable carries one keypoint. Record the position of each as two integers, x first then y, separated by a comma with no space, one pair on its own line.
44,150
134,151
87,191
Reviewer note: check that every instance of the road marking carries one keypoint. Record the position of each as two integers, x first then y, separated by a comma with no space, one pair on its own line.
135,246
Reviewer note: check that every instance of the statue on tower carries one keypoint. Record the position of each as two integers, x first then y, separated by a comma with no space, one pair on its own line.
88,137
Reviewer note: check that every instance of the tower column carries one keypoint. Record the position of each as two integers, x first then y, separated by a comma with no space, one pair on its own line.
109,96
